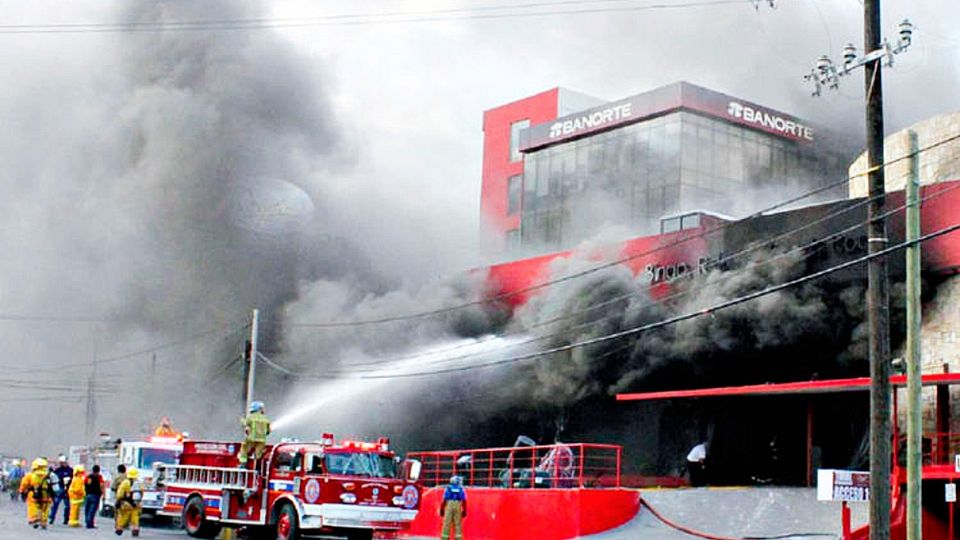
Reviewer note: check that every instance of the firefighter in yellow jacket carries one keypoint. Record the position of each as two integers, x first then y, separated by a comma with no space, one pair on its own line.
37,489
76,493
129,498
256,427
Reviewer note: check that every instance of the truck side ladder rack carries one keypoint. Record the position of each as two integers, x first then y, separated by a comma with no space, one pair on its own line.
209,477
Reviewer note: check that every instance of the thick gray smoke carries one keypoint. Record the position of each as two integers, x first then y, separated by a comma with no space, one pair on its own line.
194,177
757,340
163,195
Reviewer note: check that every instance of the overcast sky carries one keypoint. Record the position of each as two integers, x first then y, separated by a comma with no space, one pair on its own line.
413,94
409,97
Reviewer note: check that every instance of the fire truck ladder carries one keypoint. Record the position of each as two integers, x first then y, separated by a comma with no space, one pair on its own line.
209,477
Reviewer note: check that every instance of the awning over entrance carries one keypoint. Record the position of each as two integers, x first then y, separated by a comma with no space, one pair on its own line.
829,386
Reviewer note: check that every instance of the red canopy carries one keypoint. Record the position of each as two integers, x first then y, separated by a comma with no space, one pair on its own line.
857,384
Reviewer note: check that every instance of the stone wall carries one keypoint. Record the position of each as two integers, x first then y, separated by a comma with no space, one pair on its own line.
937,164
940,346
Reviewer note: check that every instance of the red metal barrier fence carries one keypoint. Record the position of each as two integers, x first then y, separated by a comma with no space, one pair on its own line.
559,466
940,448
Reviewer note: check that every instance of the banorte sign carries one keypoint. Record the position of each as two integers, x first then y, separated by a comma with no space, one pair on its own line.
678,97
609,116
747,114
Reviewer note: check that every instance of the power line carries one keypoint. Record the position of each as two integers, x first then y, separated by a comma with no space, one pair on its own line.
565,331
141,352
364,19
666,322
663,300
662,247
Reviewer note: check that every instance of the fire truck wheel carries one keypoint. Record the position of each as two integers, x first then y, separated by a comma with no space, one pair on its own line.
195,522
287,526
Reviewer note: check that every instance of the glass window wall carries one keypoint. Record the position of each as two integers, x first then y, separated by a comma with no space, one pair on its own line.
633,175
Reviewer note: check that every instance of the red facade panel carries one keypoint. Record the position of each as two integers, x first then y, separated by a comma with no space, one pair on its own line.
498,167
661,258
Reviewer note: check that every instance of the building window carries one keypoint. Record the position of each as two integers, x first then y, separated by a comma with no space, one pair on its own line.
513,240
669,225
690,221
515,129
514,192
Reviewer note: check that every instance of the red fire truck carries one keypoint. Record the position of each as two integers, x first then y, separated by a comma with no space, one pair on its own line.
351,489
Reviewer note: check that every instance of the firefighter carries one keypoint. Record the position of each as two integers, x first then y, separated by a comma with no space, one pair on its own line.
256,427
76,493
453,510
118,479
165,429
129,497
37,489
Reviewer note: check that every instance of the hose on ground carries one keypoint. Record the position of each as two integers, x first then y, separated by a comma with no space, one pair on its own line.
707,536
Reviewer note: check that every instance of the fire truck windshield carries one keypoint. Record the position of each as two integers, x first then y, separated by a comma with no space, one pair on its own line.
361,464
149,456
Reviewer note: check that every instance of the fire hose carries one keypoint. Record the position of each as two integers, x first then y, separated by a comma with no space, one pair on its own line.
700,534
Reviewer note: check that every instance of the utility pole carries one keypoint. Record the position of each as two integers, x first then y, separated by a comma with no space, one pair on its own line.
878,299
90,419
252,366
914,371
153,385
876,52
878,296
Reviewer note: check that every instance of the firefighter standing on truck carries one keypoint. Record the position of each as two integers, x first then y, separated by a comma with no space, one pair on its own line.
38,490
453,509
256,427
129,497
165,429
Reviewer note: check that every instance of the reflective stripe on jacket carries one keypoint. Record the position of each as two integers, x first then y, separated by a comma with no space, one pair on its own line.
257,427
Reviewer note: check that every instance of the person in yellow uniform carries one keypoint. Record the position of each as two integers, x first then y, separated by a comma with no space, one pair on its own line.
76,493
37,489
256,427
129,498
165,429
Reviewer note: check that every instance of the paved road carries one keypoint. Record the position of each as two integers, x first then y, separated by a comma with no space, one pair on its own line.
737,513
13,526
728,512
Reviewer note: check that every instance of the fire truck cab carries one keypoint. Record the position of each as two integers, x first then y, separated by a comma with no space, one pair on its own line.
146,456
351,490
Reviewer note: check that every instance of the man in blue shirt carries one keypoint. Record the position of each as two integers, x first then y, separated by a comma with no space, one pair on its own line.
453,509
14,476
65,474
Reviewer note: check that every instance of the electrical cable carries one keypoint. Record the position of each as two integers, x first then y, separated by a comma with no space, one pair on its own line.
659,324
549,283
803,248
423,16
711,264
706,232
110,359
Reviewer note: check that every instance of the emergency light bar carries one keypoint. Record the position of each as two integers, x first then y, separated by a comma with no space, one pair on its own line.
363,445
327,439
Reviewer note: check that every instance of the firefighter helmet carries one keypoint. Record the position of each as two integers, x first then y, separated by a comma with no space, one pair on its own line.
256,406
